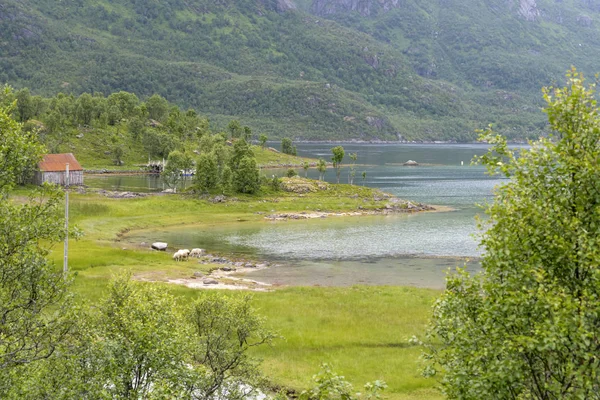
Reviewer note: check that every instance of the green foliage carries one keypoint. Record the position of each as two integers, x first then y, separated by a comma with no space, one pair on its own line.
118,153
157,107
19,150
322,168
226,328
291,172
235,129
287,147
340,75
527,326
158,143
275,183
207,173
176,164
352,170
263,140
246,176
33,297
331,386
139,343
337,158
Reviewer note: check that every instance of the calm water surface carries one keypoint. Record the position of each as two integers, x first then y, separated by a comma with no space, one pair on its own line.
399,250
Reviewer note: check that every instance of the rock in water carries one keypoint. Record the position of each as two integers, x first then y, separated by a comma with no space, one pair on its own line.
159,246
210,282
411,162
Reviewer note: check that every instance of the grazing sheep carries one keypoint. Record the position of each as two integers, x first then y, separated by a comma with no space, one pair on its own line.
180,255
186,252
196,253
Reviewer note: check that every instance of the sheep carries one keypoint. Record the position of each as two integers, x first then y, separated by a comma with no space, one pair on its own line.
181,255
196,253
178,256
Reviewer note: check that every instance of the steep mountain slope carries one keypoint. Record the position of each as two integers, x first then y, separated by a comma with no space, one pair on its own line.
357,69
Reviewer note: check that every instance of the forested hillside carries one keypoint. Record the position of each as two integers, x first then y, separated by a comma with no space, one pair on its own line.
310,69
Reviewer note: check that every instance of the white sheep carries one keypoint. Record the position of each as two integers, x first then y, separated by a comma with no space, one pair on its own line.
196,253
180,255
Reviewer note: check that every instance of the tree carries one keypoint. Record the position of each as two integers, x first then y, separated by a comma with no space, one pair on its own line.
352,171
118,153
158,143
158,108
364,177
338,157
84,109
139,343
246,176
241,149
305,166
171,174
235,129
226,182
322,168
34,314
247,133
207,173
133,344
263,140
527,327
139,340
136,127
225,329
287,146
25,107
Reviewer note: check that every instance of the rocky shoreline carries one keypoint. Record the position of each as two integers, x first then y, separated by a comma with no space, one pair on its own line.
221,278
394,206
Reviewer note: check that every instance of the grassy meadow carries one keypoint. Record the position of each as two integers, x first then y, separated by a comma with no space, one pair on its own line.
362,331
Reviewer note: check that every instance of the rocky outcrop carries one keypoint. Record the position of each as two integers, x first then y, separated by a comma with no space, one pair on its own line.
285,5
364,7
528,10
584,20
302,185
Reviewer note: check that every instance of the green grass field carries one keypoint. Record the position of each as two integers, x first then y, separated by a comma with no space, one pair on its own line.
361,331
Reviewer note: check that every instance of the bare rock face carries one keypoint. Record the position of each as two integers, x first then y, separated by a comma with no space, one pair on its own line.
364,7
528,10
584,20
285,5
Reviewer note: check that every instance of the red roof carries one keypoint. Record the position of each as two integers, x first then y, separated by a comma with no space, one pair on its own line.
58,162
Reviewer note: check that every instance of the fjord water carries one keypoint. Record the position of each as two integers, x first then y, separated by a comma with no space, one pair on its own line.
413,249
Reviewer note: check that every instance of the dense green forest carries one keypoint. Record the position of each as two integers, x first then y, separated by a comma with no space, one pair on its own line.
393,69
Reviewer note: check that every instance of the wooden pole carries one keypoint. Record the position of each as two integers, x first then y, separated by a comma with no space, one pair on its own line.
66,259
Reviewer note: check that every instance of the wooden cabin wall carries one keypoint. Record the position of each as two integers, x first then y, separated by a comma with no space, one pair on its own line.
75,178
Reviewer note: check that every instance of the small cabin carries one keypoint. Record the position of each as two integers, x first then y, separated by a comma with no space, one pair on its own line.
53,169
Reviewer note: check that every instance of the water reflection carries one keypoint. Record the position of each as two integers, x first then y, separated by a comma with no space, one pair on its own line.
404,249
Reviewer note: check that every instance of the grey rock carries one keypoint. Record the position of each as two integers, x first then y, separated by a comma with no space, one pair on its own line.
159,246
198,274
210,282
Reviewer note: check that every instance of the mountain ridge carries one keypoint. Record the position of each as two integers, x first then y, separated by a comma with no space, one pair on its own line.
400,69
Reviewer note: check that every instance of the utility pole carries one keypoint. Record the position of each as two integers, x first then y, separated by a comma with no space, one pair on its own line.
66,260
